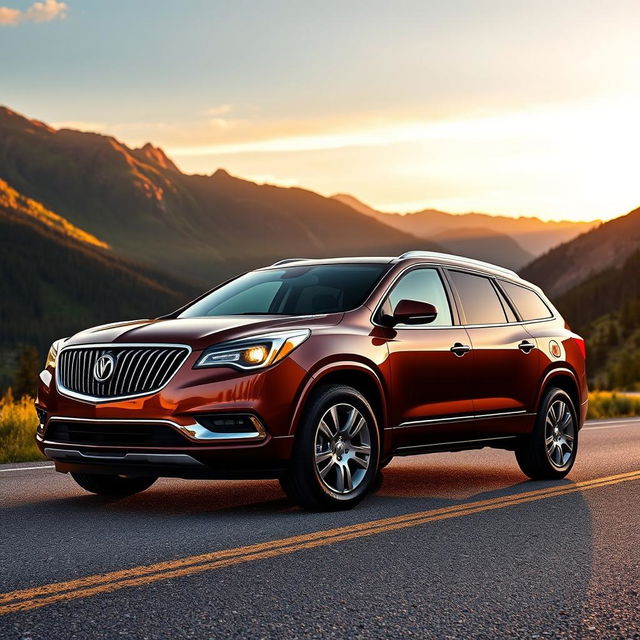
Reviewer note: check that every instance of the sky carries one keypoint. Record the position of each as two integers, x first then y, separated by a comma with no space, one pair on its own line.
516,107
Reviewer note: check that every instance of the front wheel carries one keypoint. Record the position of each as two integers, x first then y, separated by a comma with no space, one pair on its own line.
337,450
112,486
550,451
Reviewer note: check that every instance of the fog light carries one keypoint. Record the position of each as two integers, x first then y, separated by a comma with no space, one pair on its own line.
42,418
229,423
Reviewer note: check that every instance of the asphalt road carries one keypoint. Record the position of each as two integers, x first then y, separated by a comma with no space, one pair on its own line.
466,549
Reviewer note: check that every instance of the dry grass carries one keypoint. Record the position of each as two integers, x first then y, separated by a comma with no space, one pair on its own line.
610,404
17,430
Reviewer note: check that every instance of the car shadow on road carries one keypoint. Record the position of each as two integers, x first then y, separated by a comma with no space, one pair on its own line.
407,484
533,559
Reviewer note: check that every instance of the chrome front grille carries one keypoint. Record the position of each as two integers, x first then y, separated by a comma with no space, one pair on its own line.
135,370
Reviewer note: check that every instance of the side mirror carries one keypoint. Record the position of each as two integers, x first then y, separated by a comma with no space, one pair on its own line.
412,312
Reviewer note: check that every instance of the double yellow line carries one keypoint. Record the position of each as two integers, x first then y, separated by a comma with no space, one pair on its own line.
33,598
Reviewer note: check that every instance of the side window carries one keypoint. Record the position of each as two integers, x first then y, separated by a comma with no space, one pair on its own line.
511,317
479,298
423,285
529,304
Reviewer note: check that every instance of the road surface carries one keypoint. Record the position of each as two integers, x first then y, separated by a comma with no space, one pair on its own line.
450,546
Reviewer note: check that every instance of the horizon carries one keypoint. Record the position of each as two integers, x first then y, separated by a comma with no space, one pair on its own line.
408,109
330,195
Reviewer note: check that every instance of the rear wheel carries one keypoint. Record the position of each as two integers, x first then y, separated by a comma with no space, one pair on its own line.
549,453
336,454
112,486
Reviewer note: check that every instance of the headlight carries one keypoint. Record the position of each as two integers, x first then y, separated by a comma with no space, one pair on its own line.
52,356
255,352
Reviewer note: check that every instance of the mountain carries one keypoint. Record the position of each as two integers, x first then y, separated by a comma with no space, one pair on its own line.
594,280
607,246
531,236
56,278
484,244
201,228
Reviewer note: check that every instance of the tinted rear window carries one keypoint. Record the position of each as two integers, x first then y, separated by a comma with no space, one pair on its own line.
480,302
528,303
291,291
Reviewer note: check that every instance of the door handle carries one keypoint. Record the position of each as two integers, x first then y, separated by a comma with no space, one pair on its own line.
526,347
460,349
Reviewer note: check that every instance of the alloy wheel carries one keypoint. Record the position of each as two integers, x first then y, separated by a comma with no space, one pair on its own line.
560,433
342,448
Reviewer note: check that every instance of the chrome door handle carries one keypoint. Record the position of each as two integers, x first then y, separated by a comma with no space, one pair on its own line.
526,347
460,349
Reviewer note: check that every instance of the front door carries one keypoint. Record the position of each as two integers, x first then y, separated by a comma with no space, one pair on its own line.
430,365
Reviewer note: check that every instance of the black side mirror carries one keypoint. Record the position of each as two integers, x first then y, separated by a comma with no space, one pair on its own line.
411,312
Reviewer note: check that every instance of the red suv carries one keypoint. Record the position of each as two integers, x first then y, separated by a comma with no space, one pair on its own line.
318,372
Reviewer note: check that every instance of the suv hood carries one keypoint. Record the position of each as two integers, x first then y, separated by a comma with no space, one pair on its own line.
198,333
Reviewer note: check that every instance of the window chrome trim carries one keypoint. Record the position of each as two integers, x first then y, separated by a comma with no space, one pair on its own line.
193,431
463,418
106,345
464,269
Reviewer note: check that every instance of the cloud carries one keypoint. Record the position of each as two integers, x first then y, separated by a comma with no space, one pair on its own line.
45,11
9,16
220,110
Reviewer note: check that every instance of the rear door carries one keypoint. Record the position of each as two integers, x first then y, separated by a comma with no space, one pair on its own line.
430,383
505,366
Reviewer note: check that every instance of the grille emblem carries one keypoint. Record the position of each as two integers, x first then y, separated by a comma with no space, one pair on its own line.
104,367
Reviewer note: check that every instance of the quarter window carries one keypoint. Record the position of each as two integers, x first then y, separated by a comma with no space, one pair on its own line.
423,285
479,298
529,304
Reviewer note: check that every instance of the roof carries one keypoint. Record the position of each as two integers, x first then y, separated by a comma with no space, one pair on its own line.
432,256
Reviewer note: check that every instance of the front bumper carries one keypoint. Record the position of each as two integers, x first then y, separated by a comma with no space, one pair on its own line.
187,407
266,461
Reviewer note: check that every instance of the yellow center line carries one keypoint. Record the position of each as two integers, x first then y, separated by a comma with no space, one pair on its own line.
35,597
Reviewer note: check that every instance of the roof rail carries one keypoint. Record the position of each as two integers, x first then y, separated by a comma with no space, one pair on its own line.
460,259
286,260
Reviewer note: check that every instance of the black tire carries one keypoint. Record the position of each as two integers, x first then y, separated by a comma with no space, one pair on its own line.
550,451
112,486
321,464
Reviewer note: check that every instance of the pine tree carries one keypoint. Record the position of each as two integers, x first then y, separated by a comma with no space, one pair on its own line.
25,381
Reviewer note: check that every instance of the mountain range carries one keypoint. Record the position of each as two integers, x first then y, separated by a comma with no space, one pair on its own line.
512,242
94,231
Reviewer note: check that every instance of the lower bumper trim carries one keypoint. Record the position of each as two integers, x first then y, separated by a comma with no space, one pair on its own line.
73,455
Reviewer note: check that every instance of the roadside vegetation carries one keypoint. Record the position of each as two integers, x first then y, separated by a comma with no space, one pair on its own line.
17,429
610,404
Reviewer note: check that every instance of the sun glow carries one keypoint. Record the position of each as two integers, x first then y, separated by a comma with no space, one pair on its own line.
571,161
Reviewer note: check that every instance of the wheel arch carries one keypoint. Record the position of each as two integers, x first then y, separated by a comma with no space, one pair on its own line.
352,374
564,379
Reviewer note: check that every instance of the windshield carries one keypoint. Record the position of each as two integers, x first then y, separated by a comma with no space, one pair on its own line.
296,291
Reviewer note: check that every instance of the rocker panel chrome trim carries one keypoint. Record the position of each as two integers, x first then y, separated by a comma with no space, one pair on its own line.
464,418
